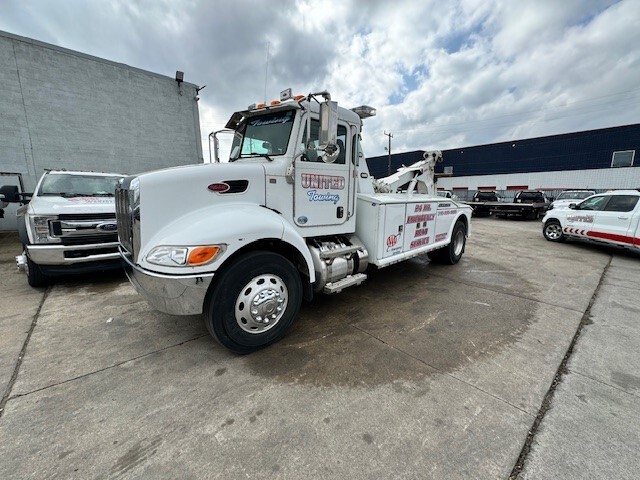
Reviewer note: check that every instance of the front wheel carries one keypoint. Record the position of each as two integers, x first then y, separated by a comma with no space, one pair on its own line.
451,254
253,302
35,277
552,231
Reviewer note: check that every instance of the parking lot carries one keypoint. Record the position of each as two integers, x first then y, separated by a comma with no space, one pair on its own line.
424,371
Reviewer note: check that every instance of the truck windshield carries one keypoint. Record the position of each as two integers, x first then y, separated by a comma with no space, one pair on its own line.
486,196
263,136
78,185
531,196
574,195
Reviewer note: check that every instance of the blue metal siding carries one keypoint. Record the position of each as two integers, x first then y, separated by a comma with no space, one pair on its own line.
378,166
572,151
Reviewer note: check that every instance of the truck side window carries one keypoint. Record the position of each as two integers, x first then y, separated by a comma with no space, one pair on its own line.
594,203
355,150
342,143
316,155
621,203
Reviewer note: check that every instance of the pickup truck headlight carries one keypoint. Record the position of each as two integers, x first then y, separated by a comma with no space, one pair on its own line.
40,229
174,256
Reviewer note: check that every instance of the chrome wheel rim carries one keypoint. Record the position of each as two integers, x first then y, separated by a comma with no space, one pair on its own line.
554,231
261,304
458,243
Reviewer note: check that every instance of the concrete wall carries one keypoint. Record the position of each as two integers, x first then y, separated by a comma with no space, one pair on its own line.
65,109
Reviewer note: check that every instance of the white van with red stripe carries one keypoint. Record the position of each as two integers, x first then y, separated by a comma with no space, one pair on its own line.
612,218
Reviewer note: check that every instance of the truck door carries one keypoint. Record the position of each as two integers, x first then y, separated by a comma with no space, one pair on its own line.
614,222
322,190
583,219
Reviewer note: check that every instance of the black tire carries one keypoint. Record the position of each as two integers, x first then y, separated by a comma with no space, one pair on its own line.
552,231
35,277
259,276
452,253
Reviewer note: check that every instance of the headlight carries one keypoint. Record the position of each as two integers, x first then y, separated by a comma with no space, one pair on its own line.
41,230
173,256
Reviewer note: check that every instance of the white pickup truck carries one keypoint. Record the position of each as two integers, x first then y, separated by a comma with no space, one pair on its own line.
68,225
611,218
294,213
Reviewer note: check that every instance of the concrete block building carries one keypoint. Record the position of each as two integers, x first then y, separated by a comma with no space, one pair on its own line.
64,109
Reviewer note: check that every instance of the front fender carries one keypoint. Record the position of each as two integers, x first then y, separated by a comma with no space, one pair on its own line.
233,225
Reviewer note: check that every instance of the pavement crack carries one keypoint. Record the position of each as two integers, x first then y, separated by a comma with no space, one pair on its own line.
441,371
557,379
115,365
7,394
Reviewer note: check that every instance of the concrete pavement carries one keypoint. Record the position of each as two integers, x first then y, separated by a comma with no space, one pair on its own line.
592,429
424,371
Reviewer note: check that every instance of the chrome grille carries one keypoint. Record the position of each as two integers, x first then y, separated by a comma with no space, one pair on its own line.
83,229
124,218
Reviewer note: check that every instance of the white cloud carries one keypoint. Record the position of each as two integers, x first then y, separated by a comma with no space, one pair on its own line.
442,74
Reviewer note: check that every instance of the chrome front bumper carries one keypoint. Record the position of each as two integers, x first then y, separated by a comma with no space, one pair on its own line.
173,294
47,254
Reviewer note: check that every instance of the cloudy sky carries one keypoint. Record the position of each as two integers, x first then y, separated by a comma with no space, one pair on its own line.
442,73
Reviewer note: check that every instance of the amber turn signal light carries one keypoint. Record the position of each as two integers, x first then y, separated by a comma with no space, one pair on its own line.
202,255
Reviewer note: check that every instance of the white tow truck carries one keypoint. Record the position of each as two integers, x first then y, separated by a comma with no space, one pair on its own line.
294,212
68,225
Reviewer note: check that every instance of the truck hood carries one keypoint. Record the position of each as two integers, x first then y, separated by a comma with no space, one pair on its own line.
168,195
565,203
55,205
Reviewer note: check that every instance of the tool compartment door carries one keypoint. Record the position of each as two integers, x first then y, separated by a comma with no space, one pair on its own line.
420,225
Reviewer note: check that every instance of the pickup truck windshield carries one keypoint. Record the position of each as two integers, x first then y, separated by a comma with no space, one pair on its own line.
78,185
486,196
263,136
574,195
531,196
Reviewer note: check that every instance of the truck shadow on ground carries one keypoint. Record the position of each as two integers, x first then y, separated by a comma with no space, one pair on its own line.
405,323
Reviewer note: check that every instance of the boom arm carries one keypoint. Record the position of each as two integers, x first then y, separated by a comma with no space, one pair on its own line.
415,178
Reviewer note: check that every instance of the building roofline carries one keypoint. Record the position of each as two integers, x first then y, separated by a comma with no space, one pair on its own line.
86,56
527,139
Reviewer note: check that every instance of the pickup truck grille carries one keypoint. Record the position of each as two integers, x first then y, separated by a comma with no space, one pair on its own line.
87,239
84,229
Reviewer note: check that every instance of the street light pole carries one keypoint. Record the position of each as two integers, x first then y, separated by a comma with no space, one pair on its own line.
389,150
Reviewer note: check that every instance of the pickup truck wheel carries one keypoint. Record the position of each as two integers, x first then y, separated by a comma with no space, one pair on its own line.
253,302
35,277
552,231
451,254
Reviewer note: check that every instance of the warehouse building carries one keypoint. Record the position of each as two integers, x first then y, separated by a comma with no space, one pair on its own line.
63,109
600,159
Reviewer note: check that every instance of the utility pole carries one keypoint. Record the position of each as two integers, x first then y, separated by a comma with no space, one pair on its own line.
389,150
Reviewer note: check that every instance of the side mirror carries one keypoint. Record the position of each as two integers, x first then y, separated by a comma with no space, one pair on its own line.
573,206
328,133
10,193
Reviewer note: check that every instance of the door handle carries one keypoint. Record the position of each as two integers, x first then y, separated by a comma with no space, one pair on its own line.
623,218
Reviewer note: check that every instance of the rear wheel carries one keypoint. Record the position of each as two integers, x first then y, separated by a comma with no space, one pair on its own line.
253,302
451,254
552,231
